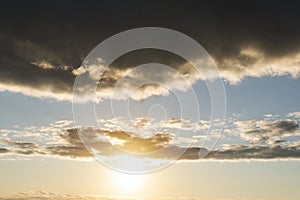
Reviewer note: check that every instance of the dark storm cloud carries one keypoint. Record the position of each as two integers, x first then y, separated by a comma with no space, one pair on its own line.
43,42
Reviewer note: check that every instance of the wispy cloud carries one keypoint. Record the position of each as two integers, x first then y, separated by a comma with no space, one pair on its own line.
42,195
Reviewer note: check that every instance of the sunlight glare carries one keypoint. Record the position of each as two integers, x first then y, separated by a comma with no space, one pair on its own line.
127,181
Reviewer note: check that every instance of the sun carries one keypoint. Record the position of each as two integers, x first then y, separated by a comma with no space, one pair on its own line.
127,181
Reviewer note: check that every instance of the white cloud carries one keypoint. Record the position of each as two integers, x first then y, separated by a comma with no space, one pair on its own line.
252,62
294,114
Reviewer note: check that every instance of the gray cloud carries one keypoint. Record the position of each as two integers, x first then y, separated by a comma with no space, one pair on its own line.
24,148
261,131
257,152
19,74
73,148
42,44
3,150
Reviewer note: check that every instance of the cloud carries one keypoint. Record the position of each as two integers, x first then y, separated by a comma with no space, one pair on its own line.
42,195
135,74
3,150
136,144
23,148
240,152
41,55
236,152
71,147
261,131
254,62
294,114
269,138
75,148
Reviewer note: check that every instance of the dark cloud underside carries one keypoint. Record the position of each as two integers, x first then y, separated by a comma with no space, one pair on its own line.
3,150
43,42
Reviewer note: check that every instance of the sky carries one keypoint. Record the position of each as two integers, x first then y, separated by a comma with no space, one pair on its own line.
219,124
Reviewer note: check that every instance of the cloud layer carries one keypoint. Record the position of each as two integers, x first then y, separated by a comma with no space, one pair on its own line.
42,195
269,138
41,52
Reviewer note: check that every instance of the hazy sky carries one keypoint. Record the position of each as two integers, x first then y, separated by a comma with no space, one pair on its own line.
254,44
